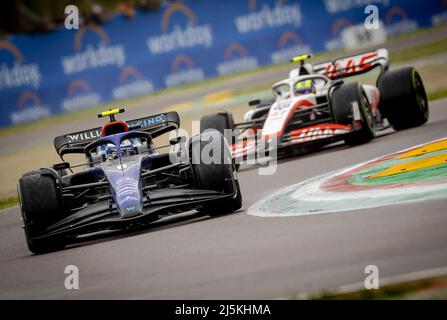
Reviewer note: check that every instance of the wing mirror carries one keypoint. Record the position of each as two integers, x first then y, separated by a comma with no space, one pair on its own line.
175,140
61,166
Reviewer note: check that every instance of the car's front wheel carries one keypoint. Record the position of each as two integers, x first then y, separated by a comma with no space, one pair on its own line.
350,106
41,205
217,172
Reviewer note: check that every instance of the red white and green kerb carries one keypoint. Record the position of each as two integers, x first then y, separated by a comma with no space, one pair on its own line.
415,174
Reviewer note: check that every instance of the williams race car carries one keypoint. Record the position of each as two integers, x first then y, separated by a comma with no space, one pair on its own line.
125,182
314,107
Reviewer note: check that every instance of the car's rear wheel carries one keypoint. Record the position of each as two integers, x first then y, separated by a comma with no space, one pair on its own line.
217,173
348,100
403,100
41,205
222,122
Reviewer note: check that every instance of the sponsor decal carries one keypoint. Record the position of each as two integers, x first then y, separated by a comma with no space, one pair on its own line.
280,14
104,54
19,73
127,189
30,108
84,135
80,96
397,22
236,60
183,75
136,86
149,121
289,45
180,37
346,66
318,132
281,112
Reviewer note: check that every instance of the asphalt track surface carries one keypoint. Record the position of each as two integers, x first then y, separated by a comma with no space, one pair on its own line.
242,256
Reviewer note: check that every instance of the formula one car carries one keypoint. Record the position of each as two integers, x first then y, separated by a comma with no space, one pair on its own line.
125,181
314,107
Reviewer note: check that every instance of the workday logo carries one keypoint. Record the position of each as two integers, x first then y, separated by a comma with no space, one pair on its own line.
442,16
80,96
131,83
289,45
17,73
336,42
180,37
236,60
29,108
92,57
280,14
397,22
183,71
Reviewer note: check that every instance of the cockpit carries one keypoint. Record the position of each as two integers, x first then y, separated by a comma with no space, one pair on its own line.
301,85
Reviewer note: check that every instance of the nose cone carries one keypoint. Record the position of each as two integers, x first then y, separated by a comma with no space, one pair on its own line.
130,208
129,197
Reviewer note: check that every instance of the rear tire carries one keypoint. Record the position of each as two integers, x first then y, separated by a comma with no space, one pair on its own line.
220,176
41,205
403,100
219,121
342,108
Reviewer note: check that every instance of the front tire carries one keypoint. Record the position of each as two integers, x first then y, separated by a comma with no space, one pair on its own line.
403,100
222,122
220,176
41,205
344,100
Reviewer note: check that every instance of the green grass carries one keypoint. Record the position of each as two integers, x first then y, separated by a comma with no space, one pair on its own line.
437,94
8,202
405,290
419,51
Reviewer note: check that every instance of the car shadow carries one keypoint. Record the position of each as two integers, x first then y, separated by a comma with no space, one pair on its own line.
173,221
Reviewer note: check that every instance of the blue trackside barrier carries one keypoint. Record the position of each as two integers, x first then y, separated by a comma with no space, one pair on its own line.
189,41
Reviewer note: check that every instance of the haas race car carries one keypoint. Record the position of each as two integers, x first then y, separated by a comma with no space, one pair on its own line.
125,181
314,107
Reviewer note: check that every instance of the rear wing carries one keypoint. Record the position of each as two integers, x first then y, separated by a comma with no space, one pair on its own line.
353,65
156,125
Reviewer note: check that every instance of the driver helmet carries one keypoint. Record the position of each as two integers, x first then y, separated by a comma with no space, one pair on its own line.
109,150
304,87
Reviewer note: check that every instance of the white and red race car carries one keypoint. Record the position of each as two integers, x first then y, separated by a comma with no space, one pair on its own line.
314,107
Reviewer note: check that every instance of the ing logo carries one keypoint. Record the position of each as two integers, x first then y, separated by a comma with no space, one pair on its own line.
183,70
180,36
236,59
95,54
14,71
131,83
29,108
80,96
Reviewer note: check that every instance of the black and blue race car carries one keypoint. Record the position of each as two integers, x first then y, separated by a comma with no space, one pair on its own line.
125,181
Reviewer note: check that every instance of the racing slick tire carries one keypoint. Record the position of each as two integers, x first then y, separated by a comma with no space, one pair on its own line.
342,107
41,205
220,121
220,176
403,100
